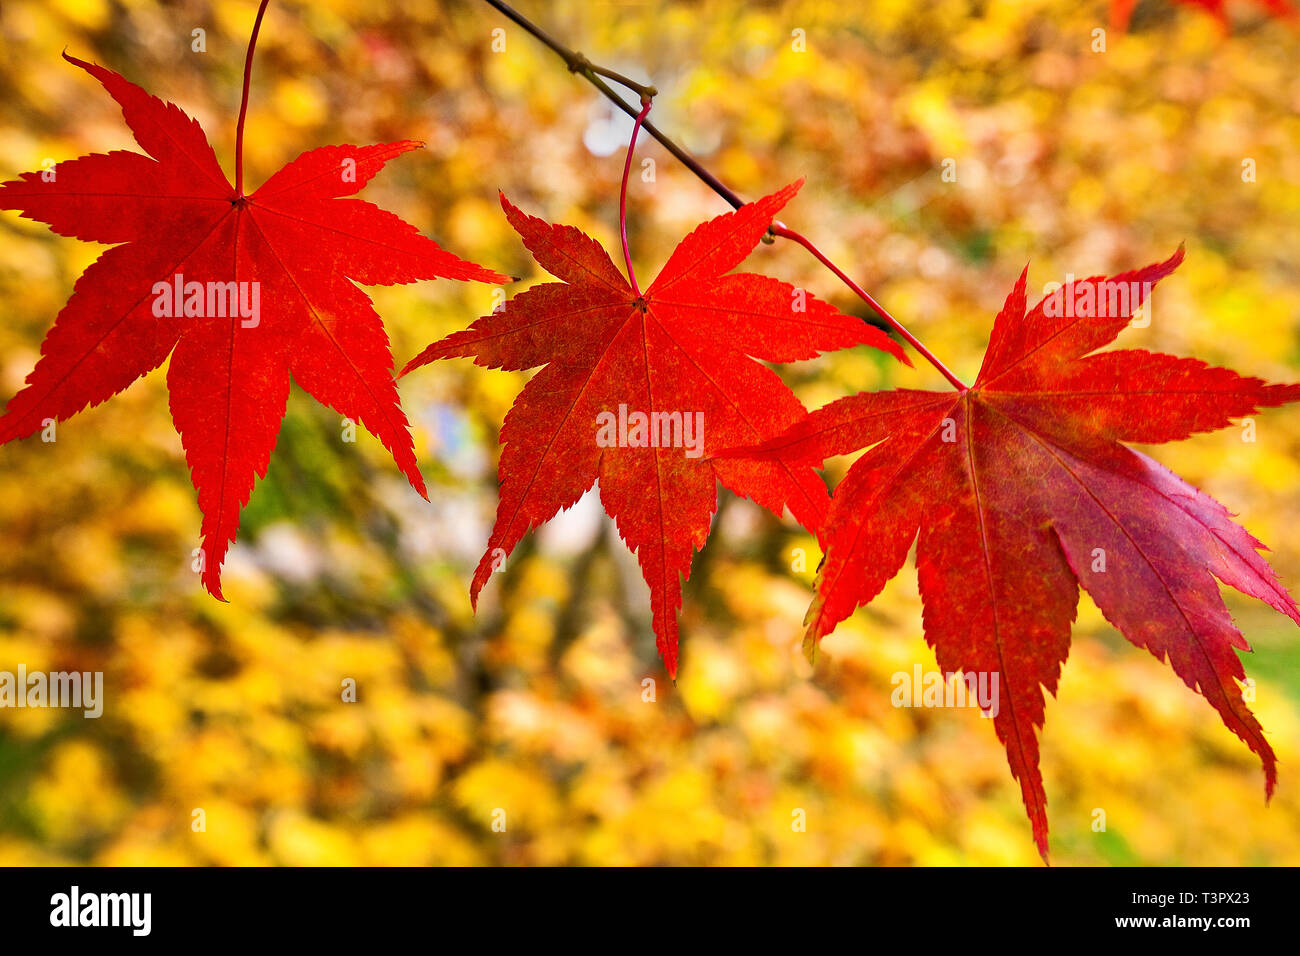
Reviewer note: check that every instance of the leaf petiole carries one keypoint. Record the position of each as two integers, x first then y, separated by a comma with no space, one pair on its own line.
646,102
243,103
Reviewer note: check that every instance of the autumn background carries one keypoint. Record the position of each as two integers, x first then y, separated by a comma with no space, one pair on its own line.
1070,159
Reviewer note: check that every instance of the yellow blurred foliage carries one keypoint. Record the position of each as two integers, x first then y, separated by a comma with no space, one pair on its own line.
543,730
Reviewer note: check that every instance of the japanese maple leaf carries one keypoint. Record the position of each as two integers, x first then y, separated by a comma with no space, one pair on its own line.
292,250
1022,491
683,356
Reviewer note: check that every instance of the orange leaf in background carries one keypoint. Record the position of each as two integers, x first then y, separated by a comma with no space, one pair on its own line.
1121,11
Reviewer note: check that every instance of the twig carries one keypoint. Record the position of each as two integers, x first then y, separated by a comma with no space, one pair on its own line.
579,64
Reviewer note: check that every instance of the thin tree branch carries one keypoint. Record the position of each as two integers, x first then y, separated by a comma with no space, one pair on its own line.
595,75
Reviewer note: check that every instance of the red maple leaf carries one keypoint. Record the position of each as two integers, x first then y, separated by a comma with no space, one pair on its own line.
241,291
682,356
1022,492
